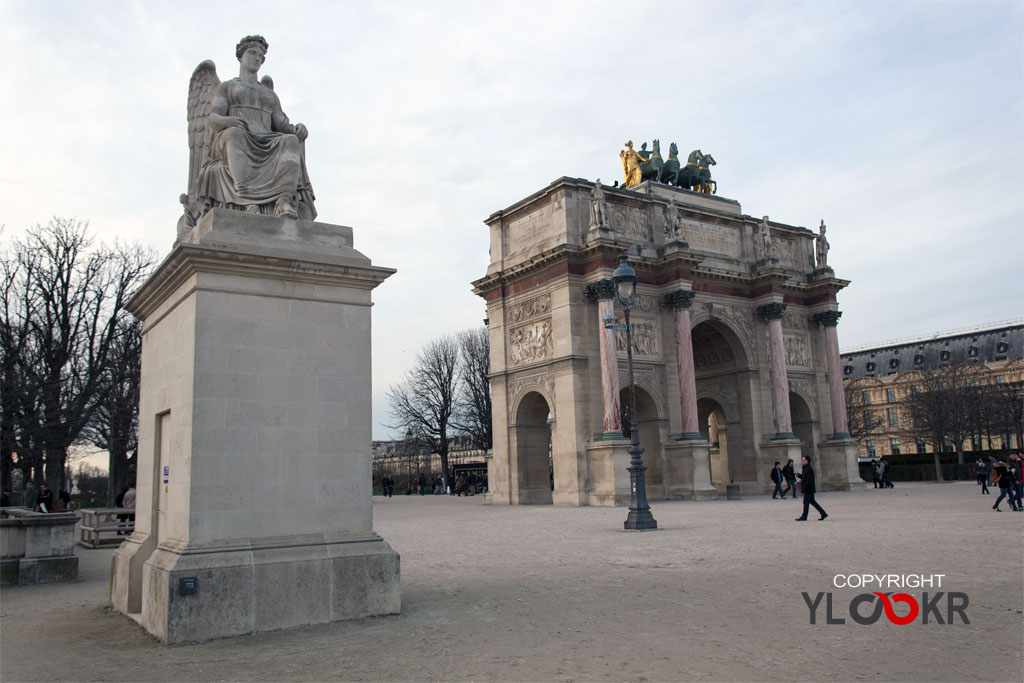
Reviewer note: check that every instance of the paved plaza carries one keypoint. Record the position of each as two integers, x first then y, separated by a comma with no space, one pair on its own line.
562,594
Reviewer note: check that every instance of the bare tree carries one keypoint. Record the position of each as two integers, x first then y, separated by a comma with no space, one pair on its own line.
424,401
63,303
860,414
937,407
473,415
115,424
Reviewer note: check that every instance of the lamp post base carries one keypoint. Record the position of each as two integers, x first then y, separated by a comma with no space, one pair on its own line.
639,517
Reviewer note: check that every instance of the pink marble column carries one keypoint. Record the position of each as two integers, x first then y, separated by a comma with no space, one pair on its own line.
828,320
681,301
604,292
772,315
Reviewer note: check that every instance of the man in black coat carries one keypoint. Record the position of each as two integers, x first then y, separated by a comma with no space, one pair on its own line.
777,480
807,486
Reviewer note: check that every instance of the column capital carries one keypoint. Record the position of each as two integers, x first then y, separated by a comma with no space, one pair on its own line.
772,311
828,318
601,290
678,299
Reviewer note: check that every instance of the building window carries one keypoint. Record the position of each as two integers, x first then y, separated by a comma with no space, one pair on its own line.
870,445
1000,379
973,352
947,445
870,365
894,446
890,395
922,447
847,369
869,419
1006,441
918,359
944,355
975,442
894,363
1002,347
892,417
865,398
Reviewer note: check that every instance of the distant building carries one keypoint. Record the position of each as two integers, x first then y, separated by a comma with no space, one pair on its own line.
404,459
877,380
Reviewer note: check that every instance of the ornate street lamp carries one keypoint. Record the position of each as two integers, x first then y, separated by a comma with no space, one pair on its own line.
639,518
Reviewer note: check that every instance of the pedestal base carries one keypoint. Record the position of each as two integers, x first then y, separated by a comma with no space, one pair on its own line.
609,477
839,471
247,591
688,470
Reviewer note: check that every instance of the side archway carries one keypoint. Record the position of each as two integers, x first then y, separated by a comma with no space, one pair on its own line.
531,444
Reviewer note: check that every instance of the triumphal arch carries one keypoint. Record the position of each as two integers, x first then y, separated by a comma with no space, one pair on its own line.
734,340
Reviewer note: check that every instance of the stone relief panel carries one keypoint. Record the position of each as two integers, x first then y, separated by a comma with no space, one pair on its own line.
715,239
805,387
721,389
798,350
645,304
646,337
542,384
631,222
531,308
795,321
530,342
787,251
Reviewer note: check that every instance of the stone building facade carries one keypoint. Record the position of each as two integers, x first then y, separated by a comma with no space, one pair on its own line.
879,379
734,329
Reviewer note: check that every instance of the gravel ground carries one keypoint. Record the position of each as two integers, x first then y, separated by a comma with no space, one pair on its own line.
563,594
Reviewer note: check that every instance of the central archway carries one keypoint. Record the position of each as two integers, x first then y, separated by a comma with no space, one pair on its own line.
532,434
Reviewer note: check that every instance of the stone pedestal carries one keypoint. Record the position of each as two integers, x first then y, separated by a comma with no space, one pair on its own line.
688,470
839,471
37,547
781,450
609,476
254,506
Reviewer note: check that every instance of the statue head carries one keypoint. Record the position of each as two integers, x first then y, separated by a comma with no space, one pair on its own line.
673,149
643,145
629,144
244,44
821,228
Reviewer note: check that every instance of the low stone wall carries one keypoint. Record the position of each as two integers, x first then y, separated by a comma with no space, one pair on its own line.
36,547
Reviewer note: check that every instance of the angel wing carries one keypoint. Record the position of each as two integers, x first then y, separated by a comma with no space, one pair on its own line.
200,99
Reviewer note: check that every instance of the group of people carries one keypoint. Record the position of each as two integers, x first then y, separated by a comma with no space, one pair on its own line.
466,484
38,500
880,474
807,485
1008,476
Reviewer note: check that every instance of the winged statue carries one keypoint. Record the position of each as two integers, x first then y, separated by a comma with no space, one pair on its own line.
244,153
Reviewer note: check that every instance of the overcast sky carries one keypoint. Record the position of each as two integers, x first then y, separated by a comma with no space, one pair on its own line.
898,123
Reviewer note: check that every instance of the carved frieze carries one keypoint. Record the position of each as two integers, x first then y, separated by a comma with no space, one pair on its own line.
723,390
646,337
630,222
795,320
530,342
544,384
798,350
805,388
530,308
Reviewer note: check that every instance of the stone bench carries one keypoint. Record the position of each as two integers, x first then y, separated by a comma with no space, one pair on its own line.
37,547
101,526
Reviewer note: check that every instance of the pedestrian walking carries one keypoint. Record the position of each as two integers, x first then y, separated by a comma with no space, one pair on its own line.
776,475
808,487
1016,481
876,473
790,476
1002,478
981,471
886,482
